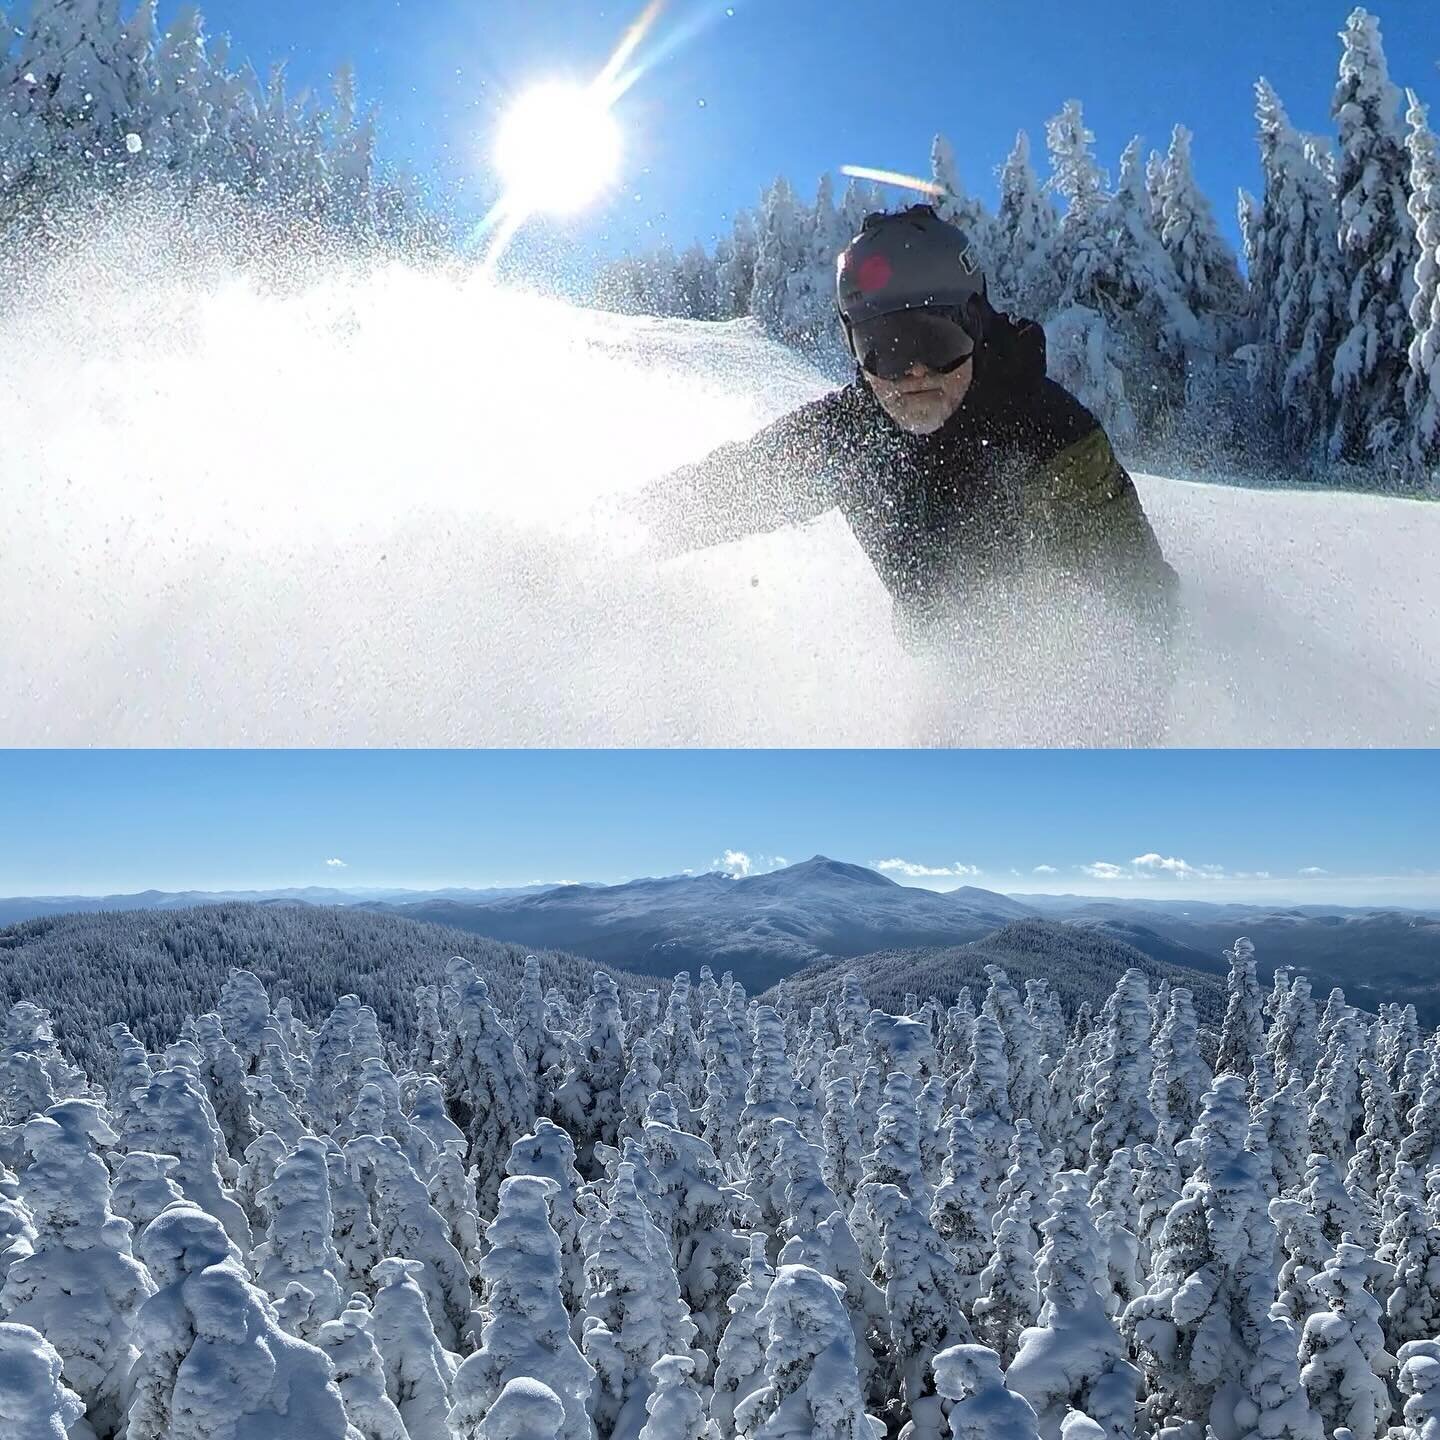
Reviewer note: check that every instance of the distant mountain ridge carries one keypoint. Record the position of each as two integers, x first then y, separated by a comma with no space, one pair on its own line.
758,926
766,926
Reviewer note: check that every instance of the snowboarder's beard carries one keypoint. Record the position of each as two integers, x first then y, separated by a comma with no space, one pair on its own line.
922,413
922,410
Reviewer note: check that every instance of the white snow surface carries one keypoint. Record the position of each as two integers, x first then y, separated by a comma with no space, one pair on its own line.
377,507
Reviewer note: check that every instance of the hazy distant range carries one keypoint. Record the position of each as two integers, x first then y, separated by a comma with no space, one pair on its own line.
764,927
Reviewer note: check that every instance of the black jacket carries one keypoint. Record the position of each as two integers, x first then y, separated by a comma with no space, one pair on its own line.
1021,476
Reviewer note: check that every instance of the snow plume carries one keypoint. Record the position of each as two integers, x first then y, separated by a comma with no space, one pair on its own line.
392,554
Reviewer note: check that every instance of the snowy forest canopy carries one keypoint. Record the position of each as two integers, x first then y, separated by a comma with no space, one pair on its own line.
1323,355
683,1214
94,100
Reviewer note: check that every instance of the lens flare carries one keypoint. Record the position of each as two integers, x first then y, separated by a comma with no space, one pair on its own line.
893,177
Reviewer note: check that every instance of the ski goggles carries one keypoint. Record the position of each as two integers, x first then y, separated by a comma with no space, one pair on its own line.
888,345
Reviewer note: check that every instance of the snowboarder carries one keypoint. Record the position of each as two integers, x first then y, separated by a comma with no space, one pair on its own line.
959,465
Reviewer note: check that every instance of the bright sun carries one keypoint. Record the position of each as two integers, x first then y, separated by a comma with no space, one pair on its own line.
557,149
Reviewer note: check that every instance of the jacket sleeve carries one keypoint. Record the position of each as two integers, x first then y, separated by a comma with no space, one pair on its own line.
1086,506
781,475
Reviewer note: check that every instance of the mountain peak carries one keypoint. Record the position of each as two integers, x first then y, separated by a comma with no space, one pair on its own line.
822,869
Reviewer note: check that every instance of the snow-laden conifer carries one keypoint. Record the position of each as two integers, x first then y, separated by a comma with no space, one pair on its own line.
1293,1042
1412,1306
1422,383
924,1303
986,1089
213,1362
1306,1253
844,1145
1196,1328
1377,250
418,1368
408,1226
1333,1206
525,1330
589,1100
299,1247
693,1208
960,1212
431,1049
1124,1075
633,1310
1025,226
489,1097
359,1372
1344,1363
981,1407
1243,1034
35,1401
80,1286
770,1096
740,1367
244,1014
1419,1382
675,1409
1181,1075
550,1153
1275,1405
1009,1298
1073,1357
811,1388
331,1092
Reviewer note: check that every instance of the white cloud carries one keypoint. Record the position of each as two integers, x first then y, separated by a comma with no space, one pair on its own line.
1314,870
1104,870
732,862
1174,865
913,871
780,861
1046,870
336,864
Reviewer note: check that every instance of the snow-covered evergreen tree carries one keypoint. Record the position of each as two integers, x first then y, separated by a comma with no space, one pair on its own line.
633,1312
1344,1363
1073,1358
299,1247
1377,251
213,1362
419,1370
740,1367
1422,384
981,1407
525,1329
359,1373
1025,233
80,1286
812,1387
35,1401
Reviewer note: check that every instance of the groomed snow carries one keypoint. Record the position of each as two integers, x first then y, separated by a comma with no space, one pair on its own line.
369,509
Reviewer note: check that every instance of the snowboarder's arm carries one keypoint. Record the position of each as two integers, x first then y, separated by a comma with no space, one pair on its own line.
780,476
1090,511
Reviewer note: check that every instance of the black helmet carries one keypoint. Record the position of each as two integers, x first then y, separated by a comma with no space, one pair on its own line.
906,262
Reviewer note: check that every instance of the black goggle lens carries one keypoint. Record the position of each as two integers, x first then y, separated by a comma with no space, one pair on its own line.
889,345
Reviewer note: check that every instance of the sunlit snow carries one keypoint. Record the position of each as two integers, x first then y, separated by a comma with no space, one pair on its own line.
368,506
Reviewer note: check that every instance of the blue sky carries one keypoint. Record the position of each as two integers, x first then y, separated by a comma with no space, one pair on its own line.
96,822
738,91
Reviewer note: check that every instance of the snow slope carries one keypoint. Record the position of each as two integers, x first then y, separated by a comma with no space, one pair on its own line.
368,508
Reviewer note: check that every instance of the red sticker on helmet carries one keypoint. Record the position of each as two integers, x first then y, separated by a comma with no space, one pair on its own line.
873,273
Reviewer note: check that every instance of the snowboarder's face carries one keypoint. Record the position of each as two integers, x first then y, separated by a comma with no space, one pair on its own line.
922,400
